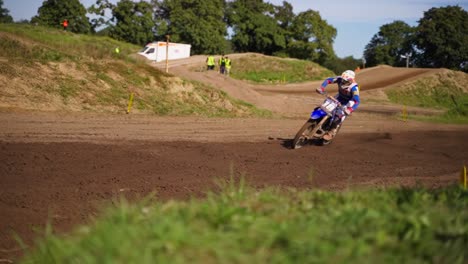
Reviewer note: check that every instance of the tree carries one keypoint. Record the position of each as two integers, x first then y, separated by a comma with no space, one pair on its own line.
134,22
5,14
197,22
284,16
130,21
52,13
442,37
312,38
339,65
389,44
100,16
255,29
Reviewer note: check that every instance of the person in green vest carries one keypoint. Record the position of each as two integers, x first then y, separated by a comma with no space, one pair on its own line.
228,63
222,64
210,62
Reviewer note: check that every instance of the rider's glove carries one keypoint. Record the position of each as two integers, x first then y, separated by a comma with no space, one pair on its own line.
348,110
320,90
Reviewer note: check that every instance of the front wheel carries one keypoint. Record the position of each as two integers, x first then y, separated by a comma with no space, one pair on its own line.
303,134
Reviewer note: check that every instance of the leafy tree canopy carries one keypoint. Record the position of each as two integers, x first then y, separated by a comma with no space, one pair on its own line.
52,13
440,40
389,44
284,15
5,14
197,22
254,27
313,37
442,37
130,21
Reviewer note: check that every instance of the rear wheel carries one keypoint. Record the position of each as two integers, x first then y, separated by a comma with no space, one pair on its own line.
302,135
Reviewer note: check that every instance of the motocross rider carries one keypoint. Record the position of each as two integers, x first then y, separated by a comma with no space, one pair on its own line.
348,96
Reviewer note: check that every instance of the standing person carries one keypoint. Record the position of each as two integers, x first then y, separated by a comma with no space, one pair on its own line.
228,65
348,96
210,62
65,24
222,64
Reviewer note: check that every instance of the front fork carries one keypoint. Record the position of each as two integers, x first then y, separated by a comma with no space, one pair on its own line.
319,131
326,125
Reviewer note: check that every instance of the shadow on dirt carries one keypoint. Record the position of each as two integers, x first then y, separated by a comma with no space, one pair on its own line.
288,143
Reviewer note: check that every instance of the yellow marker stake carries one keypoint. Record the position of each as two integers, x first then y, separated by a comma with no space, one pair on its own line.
463,178
404,113
130,102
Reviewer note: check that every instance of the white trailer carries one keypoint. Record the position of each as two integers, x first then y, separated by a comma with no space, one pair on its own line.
156,51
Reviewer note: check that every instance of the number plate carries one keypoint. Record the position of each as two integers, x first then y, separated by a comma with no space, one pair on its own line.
329,105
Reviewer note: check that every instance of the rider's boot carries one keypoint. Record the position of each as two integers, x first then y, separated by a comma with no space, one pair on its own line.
330,134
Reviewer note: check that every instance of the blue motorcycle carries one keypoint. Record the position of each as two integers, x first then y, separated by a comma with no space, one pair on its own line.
320,122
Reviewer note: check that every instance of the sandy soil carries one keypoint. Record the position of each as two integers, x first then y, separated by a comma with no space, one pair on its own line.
62,167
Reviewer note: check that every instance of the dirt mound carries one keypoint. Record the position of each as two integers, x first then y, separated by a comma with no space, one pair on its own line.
386,76
298,99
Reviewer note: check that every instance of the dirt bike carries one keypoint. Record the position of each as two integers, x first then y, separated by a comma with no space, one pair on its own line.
320,122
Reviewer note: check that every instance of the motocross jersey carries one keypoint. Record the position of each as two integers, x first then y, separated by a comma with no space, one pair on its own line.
345,93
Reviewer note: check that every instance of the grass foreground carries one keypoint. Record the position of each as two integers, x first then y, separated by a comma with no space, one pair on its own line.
244,225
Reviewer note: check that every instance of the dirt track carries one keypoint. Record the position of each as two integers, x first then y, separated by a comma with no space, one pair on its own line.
63,166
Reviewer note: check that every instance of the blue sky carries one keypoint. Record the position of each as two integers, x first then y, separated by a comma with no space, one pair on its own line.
356,21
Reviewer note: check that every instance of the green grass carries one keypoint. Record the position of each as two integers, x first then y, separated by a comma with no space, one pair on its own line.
53,44
263,69
68,88
446,118
202,100
242,225
439,92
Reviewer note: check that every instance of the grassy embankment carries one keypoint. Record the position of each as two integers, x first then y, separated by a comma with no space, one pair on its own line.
241,225
265,69
48,69
445,91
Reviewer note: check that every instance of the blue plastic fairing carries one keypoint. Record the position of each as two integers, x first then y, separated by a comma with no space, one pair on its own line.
317,113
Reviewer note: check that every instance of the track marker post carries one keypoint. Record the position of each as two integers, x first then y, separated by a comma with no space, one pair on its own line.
130,103
463,178
404,113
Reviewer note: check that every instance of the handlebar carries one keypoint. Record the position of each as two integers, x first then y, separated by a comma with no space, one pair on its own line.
331,97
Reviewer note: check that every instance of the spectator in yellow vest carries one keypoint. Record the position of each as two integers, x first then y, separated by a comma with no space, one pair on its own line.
228,65
222,64
210,62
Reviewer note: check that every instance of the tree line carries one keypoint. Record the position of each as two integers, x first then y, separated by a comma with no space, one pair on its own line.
440,40
219,26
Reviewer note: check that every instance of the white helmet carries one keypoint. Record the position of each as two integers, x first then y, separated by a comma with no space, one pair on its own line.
348,76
